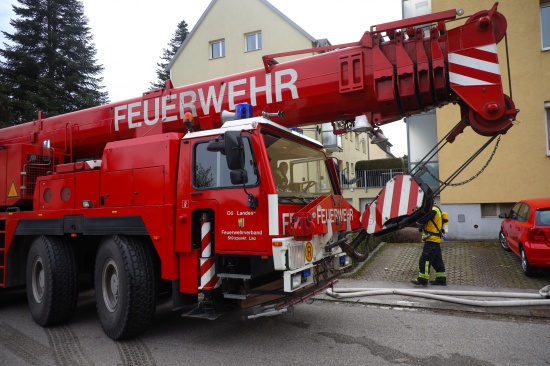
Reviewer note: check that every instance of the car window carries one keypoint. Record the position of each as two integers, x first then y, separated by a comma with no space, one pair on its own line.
523,213
514,214
542,218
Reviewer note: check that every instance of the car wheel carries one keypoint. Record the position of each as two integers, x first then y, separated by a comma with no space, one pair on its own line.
528,269
125,286
52,288
503,241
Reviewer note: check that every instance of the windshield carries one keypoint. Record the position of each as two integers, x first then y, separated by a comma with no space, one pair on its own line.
300,172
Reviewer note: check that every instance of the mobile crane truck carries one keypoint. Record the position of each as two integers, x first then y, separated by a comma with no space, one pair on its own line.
164,189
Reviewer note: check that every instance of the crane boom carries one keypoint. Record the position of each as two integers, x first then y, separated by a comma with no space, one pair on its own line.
394,71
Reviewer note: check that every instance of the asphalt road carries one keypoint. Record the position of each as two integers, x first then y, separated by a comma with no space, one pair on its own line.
324,332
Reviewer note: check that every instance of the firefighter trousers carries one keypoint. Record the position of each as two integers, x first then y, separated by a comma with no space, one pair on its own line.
431,256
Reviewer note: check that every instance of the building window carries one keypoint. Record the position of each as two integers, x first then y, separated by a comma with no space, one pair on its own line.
547,116
545,25
253,41
364,145
217,49
495,209
357,142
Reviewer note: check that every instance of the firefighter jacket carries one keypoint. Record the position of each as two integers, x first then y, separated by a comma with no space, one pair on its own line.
432,229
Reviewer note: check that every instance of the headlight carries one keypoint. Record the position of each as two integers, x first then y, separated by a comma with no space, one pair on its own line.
296,280
345,260
348,260
342,261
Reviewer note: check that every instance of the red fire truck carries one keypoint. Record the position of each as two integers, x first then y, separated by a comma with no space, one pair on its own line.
164,189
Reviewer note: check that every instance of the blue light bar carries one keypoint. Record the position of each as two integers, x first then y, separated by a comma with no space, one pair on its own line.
243,110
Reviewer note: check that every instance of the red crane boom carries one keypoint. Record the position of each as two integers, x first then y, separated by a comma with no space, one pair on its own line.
394,71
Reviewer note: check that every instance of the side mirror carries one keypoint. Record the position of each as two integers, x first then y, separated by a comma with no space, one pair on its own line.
238,176
234,150
503,216
216,145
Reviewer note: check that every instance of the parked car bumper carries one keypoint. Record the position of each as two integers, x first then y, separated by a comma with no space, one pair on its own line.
538,254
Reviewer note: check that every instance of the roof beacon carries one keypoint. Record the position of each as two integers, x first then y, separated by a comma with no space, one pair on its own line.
243,111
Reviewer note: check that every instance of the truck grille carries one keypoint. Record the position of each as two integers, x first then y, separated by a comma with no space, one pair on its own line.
296,256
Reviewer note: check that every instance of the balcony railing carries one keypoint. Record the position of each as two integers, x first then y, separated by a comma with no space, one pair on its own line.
368,178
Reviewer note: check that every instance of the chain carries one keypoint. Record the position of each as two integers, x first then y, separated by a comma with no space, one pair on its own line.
475,175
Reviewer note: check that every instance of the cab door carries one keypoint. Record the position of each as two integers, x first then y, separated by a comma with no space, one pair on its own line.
238,227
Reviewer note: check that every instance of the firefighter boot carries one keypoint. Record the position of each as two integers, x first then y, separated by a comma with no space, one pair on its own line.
420,282
441,276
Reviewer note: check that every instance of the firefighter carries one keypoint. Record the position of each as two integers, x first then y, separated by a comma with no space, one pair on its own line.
432,231
281,179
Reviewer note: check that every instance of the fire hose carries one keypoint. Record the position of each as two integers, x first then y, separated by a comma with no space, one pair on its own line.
529,299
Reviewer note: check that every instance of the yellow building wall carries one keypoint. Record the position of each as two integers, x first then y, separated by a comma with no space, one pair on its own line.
231,20
520,168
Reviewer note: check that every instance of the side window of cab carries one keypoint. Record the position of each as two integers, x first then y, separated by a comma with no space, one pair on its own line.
211,170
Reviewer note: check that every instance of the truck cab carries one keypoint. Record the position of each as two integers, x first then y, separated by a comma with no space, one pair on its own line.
255,236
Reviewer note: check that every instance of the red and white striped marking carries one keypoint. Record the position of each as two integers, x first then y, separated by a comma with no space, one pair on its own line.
475,66
209,280
206,242
401,196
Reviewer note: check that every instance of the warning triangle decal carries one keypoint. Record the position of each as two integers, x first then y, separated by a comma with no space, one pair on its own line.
13,191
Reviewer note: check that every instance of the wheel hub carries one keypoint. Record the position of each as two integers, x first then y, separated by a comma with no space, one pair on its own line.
38,281
109,285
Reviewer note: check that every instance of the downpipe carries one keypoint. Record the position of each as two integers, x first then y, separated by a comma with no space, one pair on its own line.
542,298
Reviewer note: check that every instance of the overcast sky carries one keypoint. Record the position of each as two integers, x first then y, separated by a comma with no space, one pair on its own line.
129,35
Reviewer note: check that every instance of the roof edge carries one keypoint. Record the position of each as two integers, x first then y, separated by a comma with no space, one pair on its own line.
318,42
289,21
190,35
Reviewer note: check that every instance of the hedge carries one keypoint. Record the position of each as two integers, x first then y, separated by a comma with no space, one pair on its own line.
394,163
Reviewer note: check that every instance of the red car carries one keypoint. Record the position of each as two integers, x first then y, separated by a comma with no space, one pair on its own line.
525,231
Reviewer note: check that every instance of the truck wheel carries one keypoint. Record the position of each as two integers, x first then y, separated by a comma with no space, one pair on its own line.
125,286
52,288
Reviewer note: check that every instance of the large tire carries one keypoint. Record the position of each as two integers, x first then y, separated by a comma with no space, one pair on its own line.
125,286
52,286
503,241
527,268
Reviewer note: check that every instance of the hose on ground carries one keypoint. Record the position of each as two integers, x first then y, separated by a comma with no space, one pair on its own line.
542,298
